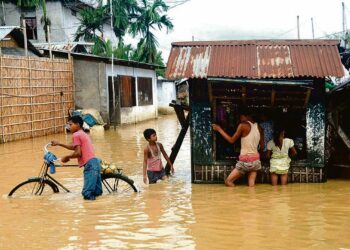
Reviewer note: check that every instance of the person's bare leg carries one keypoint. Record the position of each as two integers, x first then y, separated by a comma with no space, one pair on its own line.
284,179
251,178
274,179
234,175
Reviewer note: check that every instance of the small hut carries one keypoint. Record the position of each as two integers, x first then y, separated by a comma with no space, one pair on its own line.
282,78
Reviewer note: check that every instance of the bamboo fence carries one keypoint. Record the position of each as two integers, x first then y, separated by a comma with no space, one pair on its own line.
35,96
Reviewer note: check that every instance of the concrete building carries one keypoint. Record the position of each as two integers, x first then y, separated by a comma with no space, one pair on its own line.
130,98
166,91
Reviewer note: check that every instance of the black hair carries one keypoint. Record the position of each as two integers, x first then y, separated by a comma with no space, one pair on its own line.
77,120
148,132
276,135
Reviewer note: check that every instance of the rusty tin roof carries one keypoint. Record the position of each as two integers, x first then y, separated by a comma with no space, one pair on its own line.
255,59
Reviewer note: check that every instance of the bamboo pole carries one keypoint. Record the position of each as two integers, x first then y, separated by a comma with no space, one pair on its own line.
53,96
31,96
2,91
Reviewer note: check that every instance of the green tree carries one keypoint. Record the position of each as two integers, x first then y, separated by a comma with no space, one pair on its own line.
149,18
124,13
91,21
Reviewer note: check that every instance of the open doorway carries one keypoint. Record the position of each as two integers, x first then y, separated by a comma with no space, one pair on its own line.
283,106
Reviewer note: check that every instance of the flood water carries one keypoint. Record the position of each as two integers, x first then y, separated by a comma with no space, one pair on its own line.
175,214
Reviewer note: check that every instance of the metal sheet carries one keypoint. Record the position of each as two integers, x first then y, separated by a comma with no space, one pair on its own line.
255,59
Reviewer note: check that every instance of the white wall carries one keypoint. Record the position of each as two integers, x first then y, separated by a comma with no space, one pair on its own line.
166,93
137,113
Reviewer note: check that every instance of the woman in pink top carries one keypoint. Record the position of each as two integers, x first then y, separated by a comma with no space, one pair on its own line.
251,136
84,151
152,162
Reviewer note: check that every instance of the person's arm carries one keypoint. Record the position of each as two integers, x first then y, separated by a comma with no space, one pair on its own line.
166,158
67,146
268,154
230,139
144,171
293,151
75,154
262,140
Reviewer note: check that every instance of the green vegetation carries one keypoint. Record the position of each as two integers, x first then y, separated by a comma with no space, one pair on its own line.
137,18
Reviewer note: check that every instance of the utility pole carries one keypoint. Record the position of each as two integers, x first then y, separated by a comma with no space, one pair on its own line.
298,28
3,13
344,18
112,68
312,27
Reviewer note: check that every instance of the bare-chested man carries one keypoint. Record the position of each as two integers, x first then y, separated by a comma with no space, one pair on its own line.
251,135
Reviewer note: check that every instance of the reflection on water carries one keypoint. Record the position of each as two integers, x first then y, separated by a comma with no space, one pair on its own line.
169,215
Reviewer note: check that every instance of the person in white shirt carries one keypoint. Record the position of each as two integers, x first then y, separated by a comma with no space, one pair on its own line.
278,150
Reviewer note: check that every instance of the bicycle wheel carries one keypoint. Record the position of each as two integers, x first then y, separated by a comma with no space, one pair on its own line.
34,187
117,183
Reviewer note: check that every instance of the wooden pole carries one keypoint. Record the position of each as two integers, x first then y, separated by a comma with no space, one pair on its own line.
185,122
49,40
25,37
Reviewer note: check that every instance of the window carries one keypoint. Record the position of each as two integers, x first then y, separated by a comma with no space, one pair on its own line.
127,91
145,93
31,28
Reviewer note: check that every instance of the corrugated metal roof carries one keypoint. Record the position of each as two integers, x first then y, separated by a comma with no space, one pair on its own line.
254,59
5,30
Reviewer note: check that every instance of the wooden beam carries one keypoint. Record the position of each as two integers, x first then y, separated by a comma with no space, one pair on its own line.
307,98
273,97
244,95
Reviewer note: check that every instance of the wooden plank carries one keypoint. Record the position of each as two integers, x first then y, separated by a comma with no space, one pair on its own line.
307,97
273,97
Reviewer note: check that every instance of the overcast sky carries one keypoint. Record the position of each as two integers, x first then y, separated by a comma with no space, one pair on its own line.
252,19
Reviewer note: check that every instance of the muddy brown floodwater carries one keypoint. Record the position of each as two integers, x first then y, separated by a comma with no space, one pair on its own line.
170,215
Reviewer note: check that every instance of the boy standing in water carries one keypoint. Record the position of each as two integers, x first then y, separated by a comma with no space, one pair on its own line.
152,162
252,136
84,151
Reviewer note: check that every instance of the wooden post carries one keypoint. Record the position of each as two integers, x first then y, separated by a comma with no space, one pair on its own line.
185,122
273,97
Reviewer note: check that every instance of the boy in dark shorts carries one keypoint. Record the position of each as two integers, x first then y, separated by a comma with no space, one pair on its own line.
152,163
83,150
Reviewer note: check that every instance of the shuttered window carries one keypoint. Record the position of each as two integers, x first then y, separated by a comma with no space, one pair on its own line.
127,91
145,93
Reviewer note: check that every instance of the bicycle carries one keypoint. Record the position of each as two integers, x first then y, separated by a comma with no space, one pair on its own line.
44,183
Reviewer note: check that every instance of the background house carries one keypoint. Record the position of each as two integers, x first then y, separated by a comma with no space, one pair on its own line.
131,98
166,92
12,42
282,78
63,15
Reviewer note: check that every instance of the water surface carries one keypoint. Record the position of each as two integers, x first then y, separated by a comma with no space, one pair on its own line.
170,215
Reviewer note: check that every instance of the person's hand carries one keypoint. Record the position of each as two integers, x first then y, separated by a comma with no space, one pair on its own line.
55,143
145,179
216,127
65,159
172,170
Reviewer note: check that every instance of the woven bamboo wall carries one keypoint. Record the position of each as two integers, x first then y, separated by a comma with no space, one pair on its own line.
35,96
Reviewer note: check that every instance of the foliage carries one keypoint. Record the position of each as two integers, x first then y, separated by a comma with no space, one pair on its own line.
149,18
138,17
91,20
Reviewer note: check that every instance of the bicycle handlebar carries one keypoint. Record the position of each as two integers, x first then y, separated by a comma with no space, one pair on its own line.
45,147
